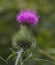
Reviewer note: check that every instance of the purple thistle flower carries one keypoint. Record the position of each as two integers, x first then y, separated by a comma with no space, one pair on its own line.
28,16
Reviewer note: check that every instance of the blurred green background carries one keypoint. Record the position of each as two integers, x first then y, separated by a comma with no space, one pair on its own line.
44,31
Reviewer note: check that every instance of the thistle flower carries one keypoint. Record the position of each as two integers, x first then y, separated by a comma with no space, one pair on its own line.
28,17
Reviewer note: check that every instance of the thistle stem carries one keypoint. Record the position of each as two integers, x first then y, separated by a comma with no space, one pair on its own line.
18,56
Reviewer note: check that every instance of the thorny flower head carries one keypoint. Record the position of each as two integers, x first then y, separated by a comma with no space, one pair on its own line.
28,17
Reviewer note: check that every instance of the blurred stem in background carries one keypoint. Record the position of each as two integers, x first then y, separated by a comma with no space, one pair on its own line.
42,52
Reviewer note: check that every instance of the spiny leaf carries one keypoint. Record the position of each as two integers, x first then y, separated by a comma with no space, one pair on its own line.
3,60
11,55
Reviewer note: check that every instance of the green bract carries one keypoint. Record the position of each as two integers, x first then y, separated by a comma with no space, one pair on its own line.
24,38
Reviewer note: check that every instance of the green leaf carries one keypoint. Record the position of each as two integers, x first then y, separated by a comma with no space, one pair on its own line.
11,55
3,60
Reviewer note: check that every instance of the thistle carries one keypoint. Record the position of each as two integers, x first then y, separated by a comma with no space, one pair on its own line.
24,38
